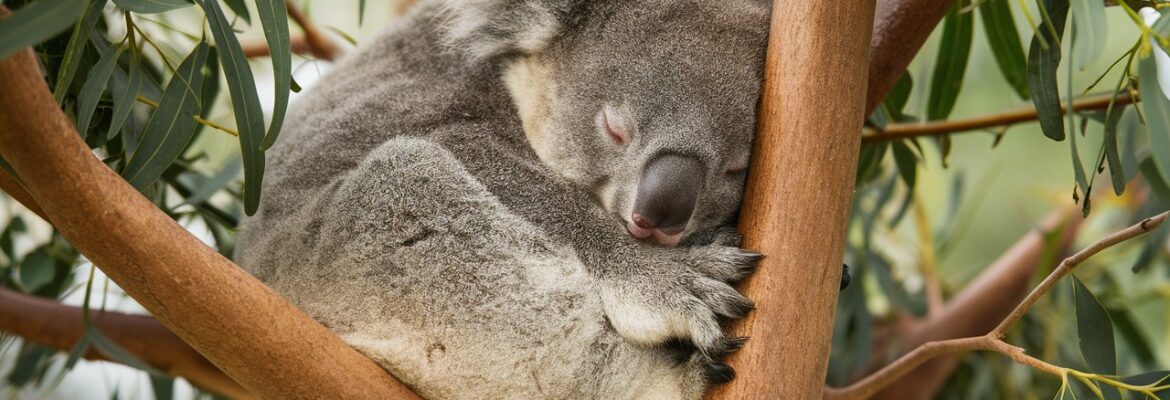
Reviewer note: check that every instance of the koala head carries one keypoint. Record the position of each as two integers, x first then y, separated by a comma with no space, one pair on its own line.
651,103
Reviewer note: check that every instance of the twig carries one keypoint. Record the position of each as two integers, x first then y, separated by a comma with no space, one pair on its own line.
259,48
992,341
319,45
902,131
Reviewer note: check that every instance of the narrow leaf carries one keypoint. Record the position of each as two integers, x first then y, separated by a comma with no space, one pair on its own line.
1091,31
274,17
1156,109
173,124
899,95
954,50
907,163
240,8
1000,28
1042,63
151,6
1094,331
37,22
126,96
77,42
1112,155
95,85
245,101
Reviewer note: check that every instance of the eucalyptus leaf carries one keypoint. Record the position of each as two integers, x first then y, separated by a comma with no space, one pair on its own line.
78,40
245,102
126,95
1094,331
95,86
274,17
173,124
240,8
1000,28
1042,64
151,6
1156,110
37,22
1117,172
947,80
1090,33
37,270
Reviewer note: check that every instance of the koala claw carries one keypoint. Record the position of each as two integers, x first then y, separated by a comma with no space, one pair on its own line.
725,263
719,373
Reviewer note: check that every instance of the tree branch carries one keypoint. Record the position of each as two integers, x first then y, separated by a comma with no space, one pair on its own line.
1023,114
815,47
992,340
60,327
318,44
249,332
981,305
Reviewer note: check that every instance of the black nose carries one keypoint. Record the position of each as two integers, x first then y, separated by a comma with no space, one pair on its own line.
668,192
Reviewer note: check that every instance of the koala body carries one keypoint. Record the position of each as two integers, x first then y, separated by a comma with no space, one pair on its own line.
461,199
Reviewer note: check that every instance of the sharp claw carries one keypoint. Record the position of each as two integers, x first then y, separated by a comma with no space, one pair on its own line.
719,373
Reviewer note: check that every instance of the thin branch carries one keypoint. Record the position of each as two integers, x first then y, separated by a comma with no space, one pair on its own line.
319,45
259,48
993,340
60,327
1024,114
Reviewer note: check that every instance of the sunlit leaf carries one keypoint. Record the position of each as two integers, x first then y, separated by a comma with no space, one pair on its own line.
1090,31
37,22
1094,331
274,17
173,124
151,6
78,40
1000,28
245,102
1042,63
954,50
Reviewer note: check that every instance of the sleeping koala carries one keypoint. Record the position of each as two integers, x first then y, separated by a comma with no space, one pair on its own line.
486,198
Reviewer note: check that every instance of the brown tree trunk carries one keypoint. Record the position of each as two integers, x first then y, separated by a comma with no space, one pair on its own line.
798,195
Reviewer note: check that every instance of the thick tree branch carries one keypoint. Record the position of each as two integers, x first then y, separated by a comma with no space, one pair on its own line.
982,304
1023,114
814,48
60,327
257,338
992,340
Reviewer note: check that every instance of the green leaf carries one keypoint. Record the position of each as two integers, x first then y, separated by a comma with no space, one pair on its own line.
173,124
1112,154
947,80
1158,378
899,95
1000,28
208,186
37,270
245,102
907,163
274,17
1090,31
1156,109
95,85
1042,63
126,96
77,42
151,6
240,9
1138,342
163,387
36,23
361,11
1094,331
31,361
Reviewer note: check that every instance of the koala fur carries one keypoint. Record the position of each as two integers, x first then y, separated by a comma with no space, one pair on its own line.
450,199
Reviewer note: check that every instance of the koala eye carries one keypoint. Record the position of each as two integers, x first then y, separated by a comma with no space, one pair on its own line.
611,123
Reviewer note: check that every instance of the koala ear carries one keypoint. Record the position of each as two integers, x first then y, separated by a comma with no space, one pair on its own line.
490,28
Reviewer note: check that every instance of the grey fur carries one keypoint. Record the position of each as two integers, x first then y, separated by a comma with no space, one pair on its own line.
405,209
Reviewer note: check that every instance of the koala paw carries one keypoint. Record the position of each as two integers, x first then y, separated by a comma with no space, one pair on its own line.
681,297
723,259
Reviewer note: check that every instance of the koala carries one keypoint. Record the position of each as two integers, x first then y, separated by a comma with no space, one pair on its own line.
525,198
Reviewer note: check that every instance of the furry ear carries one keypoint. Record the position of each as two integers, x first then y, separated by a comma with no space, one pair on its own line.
490,28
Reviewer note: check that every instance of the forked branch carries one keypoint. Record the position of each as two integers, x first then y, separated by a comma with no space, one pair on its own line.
993,341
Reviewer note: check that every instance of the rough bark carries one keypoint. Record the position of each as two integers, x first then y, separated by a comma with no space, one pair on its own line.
242,326
810,118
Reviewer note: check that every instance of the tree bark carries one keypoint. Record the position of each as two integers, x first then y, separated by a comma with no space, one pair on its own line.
242,326
810,118
900,29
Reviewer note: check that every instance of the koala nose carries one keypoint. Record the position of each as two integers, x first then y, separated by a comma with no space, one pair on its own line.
668,193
